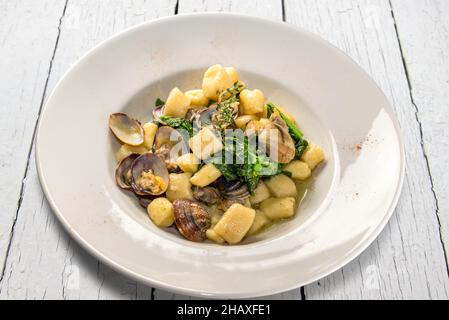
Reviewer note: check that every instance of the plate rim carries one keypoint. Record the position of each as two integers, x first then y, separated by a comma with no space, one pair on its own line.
363,245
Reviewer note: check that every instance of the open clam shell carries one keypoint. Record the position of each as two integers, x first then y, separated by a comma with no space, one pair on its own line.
123,171
156,181
192,219
157,113
126,129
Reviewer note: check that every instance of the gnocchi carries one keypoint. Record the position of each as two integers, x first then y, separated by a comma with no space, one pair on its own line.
160,211
281,186
215,80
252,101
177,104
205,143
313,155
235,223
188,162
206,175
298,169
260,194
125,150
179,186
149,130
260,221
197,98
278,208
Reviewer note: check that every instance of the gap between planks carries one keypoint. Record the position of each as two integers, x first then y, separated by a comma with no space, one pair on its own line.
22,187
421,135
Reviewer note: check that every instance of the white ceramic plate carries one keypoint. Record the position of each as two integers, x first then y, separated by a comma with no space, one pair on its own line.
337,105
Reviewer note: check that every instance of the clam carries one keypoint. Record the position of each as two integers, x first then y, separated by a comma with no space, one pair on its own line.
233,190
208,195
149,175
225,204
201,117
166,135
157,113
126,129
277,140
123,171
192,219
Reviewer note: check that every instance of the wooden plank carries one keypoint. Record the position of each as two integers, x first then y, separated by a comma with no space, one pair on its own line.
407,260
43,262
423,34
25,55
261,8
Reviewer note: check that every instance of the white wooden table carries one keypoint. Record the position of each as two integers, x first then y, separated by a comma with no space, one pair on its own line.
402,44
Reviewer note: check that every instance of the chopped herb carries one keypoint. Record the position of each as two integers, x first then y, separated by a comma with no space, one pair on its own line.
176,123
226,110
233,91
159,102
248,164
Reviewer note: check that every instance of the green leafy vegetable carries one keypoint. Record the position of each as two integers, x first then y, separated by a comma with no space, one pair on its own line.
248,164
226,110
227,170
159,102
176,123
296,134
300,147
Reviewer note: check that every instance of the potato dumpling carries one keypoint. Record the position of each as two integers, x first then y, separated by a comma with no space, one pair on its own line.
299,169
313,155
235,223
197,98
213,236
260,221
260,194
232,72
251,101
242,121
149,130
160,211
215,80
278,208
188,162
281,186
125,150
205,143
179,186
177,104
207,174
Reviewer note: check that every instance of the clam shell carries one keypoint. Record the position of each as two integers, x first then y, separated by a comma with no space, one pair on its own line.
192,219
146,162
126,129
122,170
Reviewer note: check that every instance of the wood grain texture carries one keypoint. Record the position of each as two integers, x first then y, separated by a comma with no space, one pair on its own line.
423,31
407,260
43,262
25,55
261,8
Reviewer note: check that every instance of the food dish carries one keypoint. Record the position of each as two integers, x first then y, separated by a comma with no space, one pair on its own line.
339,107
218,162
